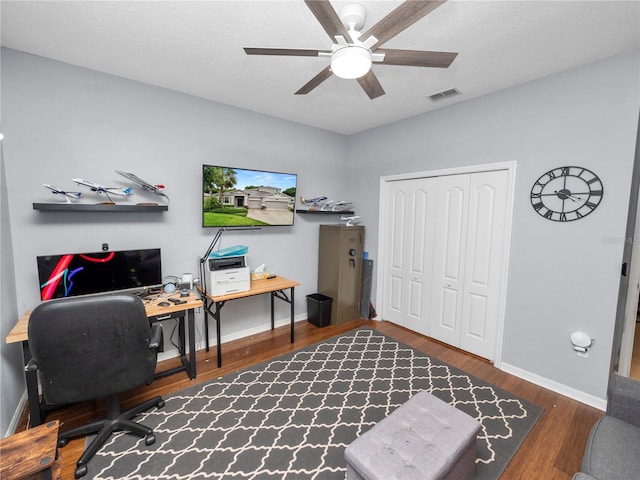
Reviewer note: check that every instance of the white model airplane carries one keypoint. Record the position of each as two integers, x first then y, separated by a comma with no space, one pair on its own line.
349,220
95,187
67,195
322,204
312,201
337,206
157,189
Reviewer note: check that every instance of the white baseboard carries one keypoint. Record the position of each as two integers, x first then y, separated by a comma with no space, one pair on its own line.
17,415
580,396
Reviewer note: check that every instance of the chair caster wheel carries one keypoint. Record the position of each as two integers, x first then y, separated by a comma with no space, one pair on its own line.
160,404
81,471
150,439
62,442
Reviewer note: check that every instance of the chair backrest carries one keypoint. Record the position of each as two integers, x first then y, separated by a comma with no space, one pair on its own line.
90,347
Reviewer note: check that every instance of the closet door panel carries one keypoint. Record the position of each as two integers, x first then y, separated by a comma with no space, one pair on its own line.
448,260
420,249
411,208
395,271
483,264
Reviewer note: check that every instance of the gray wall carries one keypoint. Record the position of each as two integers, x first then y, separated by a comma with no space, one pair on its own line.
11,377
562,277
62,121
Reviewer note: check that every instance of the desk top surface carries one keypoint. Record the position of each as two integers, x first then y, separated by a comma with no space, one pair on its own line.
19,332
258,287
30,451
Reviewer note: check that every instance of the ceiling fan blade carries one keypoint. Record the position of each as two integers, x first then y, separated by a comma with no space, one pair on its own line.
328,18
371,85
315,81
405,15
295,52
417,58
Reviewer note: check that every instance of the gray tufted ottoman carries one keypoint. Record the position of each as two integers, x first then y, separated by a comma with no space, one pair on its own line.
425,438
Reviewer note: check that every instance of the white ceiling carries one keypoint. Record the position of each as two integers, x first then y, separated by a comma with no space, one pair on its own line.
195,47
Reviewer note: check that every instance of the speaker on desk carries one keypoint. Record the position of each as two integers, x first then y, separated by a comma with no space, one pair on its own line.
170,284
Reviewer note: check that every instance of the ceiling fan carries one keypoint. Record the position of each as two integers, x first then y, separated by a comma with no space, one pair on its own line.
353,51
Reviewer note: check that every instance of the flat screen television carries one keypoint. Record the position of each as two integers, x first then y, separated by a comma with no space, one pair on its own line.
239,197
73,274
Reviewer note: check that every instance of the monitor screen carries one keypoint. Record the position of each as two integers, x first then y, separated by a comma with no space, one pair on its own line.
238,197
73,274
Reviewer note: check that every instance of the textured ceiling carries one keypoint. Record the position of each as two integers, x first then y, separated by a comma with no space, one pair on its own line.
195,47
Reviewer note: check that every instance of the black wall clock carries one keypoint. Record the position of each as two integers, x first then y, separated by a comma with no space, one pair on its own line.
566,193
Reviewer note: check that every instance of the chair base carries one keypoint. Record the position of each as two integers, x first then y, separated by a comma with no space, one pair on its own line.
114,422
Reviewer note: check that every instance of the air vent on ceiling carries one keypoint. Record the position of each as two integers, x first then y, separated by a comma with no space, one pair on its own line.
444,94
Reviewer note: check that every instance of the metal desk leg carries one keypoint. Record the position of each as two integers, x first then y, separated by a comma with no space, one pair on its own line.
291,304
206,322
283,296
31,377
192,343
181,335
216,316
273,321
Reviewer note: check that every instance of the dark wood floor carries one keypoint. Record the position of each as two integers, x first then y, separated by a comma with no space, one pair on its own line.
553,449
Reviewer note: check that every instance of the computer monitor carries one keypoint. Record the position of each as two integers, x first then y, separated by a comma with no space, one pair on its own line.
72,274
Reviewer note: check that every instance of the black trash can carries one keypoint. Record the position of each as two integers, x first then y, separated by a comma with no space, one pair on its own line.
319,309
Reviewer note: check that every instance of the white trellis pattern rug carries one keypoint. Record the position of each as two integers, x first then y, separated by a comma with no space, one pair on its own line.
293,417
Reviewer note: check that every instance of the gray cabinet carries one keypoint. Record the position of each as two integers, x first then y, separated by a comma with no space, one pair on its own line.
340,269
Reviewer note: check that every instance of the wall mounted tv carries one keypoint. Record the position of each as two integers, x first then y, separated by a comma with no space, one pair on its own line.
73,274
238,197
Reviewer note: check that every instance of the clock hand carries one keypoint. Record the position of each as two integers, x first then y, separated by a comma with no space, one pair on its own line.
568,195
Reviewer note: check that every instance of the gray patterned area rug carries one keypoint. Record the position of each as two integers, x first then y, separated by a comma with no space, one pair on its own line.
293,417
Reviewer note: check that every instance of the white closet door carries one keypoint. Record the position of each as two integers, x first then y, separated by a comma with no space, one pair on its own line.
483,265
452,208
445,240
411,209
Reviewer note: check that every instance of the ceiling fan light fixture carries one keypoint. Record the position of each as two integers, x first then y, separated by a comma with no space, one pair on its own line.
351,62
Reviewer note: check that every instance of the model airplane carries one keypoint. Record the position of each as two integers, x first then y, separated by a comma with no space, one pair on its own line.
349,220
322,204
95,187
67,195
157,189
312,201
337,206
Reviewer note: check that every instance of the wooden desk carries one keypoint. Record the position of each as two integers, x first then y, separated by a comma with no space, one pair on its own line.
155,312
30,452
275,286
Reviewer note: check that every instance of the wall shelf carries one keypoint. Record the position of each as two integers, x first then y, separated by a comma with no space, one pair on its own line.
324,212
87,207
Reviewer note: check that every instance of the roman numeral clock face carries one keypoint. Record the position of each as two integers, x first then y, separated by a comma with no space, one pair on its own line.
565,194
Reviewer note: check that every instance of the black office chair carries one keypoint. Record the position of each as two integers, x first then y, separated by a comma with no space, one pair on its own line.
93,347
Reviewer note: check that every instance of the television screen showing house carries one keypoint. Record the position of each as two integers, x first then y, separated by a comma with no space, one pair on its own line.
236,197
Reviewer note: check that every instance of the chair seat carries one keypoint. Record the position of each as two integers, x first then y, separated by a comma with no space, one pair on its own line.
613,450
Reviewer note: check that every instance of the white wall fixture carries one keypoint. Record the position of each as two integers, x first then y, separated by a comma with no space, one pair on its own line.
581,343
